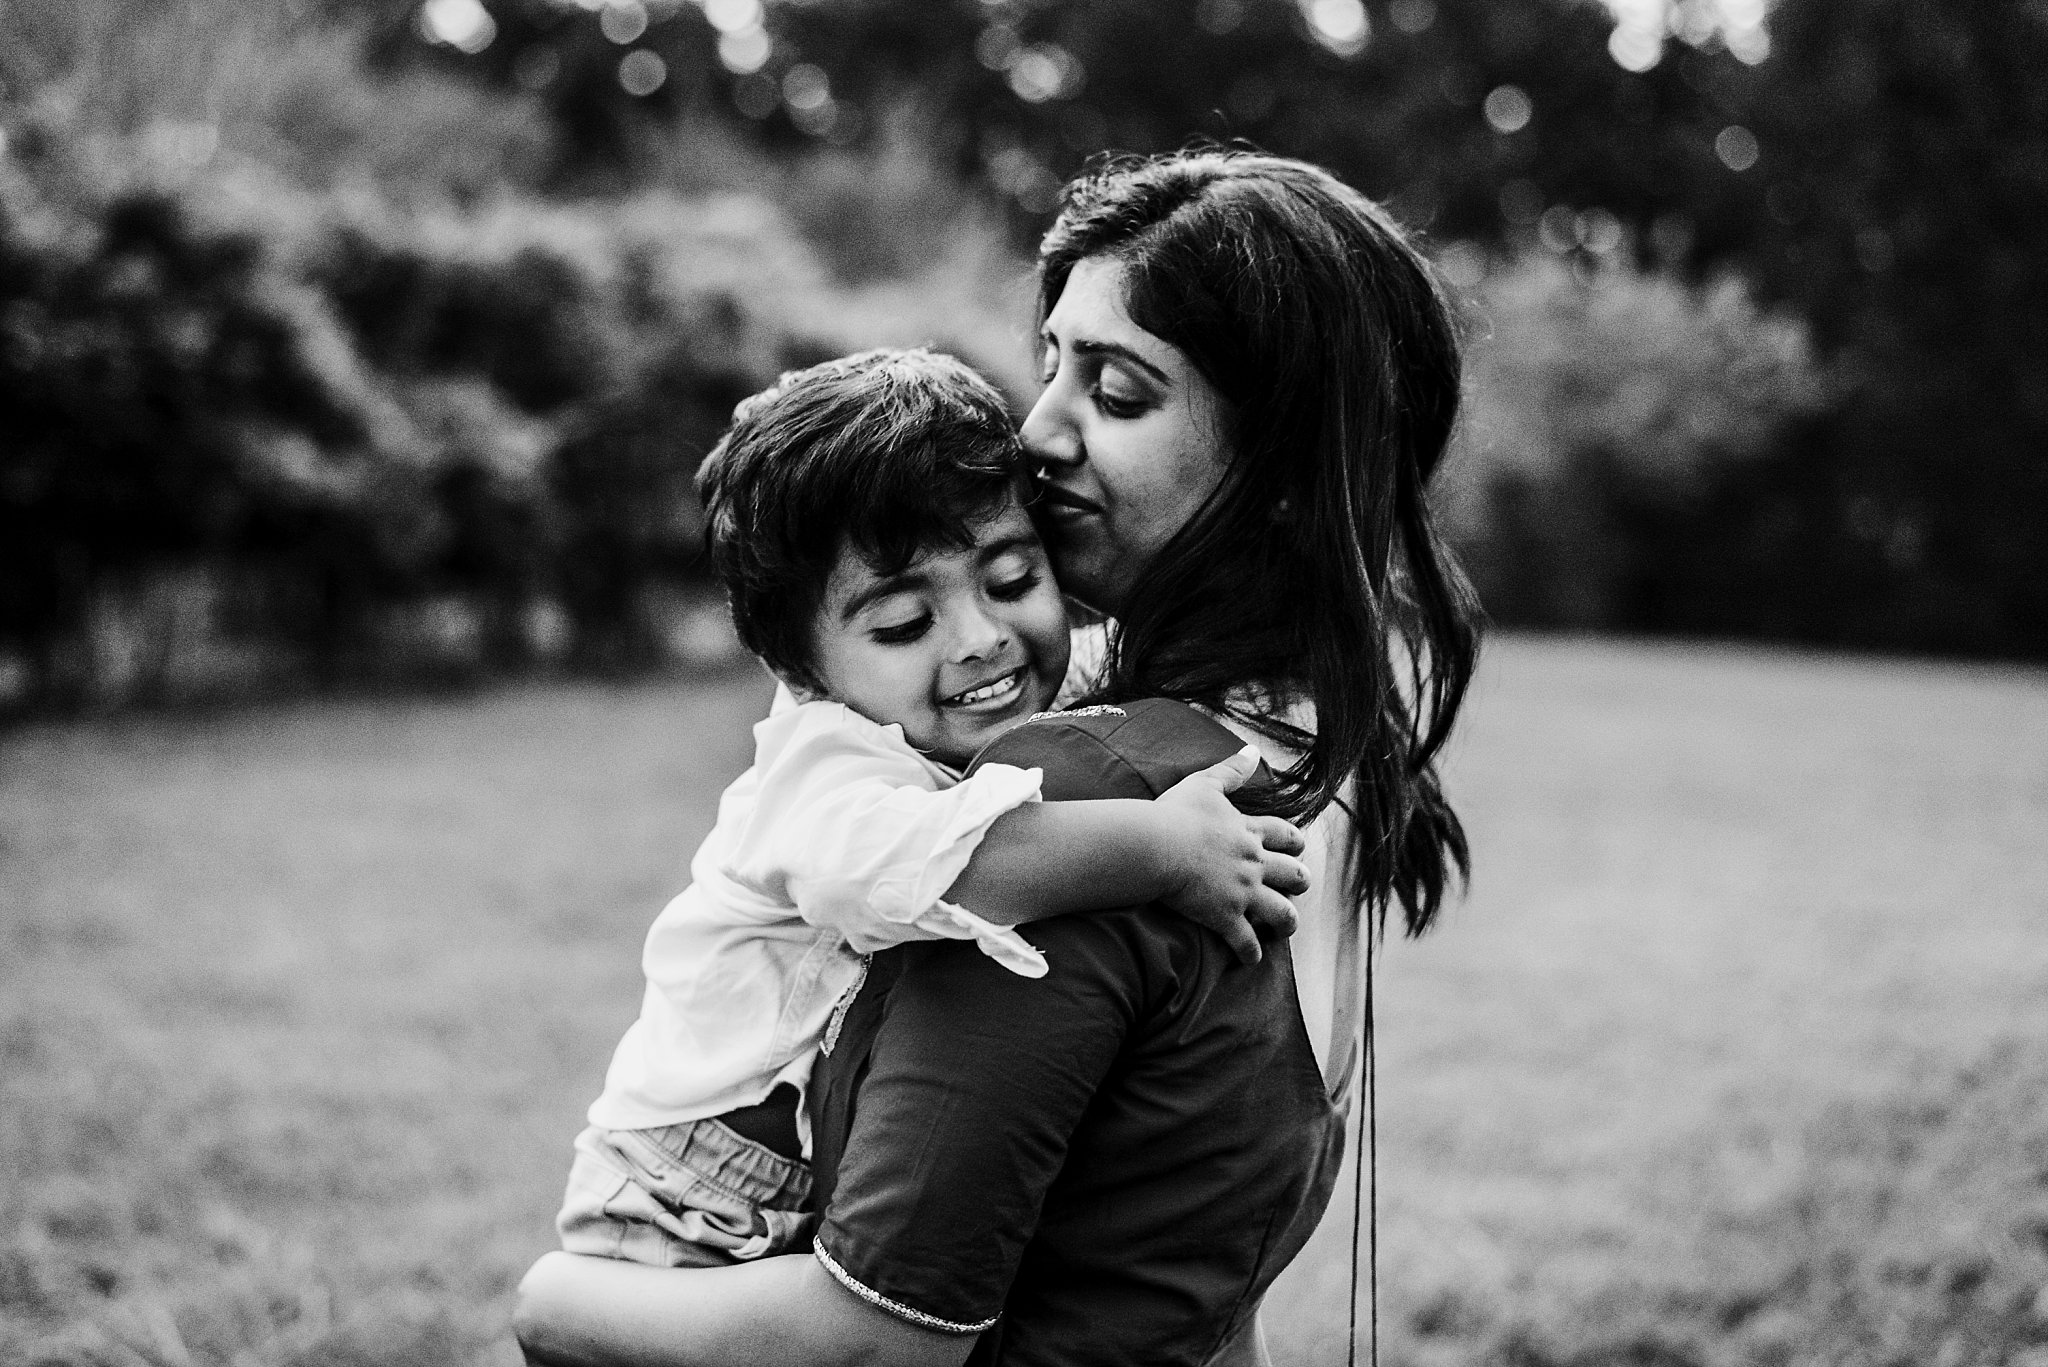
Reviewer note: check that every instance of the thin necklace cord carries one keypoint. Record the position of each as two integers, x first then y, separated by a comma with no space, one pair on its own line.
1365,1182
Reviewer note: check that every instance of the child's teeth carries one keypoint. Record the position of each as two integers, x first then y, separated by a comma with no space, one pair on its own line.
987,691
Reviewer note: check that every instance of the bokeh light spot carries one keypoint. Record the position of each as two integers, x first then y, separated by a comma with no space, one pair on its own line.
1019,174
641,72
997,47
1412,16
1508,109
623,23
818,120
1635,49
1463,264
462,24
1737,147
733,16
1046,71
744,51
806,86
1599,231
1749,45
1637,42
1340,25
1558,229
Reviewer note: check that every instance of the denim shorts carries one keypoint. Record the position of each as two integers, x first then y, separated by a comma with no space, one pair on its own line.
689,1195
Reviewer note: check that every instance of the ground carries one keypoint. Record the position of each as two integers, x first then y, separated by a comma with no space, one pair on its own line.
1735,1053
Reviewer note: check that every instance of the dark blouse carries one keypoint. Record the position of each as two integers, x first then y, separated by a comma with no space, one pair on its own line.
1106,1165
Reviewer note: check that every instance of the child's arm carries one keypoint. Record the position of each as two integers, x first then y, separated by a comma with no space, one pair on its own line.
847,828
1188,848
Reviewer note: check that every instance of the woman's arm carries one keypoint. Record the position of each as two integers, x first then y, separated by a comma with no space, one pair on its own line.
1188,848
974,1084
596,1312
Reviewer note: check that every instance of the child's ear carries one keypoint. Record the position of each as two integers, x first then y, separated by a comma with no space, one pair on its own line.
799,688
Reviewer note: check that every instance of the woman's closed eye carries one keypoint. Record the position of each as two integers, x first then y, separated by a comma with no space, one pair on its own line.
1116,401
1117,391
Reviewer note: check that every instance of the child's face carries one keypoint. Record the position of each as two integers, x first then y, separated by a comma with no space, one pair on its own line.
957,648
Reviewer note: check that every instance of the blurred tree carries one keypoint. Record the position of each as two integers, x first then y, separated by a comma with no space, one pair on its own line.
334,373
1898,199
1612,416
172,397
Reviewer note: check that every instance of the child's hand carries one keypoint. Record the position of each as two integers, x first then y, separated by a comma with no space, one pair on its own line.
1232,873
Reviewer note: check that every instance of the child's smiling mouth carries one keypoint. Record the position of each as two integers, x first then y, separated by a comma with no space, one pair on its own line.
995,694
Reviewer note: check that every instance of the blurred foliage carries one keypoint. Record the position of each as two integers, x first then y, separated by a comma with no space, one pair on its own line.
389,304
1880,167
345,407
1613,416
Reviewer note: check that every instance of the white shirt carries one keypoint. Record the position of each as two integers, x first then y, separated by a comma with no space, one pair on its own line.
838,841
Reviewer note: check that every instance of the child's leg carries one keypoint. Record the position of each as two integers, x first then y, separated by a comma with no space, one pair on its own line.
690,1195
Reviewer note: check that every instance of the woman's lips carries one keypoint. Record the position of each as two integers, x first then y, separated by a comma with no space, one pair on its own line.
1064,504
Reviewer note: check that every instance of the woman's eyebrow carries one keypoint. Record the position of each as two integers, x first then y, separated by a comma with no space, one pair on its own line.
1087,347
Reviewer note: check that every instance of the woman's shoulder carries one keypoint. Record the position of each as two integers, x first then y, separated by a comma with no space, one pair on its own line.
1280,721
1133,749
1087,653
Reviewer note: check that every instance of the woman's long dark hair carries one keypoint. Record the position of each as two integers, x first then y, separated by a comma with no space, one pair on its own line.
1314,572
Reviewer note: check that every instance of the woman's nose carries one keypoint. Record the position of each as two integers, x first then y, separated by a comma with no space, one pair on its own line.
1047,434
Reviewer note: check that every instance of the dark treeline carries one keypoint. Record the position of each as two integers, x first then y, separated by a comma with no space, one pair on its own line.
439,305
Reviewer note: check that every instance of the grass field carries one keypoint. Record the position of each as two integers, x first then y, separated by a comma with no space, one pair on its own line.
1738,1052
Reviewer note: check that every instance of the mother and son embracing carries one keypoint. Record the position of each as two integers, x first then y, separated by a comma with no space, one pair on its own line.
861,1117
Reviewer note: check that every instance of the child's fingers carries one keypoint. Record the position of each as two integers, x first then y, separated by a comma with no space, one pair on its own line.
1283,873
1271,912
1279,834
1243,941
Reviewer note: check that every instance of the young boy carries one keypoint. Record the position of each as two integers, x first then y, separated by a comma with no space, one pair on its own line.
866,521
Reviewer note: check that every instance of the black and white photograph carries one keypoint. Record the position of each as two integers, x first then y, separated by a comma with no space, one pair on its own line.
1023,683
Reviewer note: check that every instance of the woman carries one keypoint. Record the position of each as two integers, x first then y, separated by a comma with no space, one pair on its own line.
1250,377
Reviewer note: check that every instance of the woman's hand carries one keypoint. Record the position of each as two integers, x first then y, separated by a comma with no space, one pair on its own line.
1229,872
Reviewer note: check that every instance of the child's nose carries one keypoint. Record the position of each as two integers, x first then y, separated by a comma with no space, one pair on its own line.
979,636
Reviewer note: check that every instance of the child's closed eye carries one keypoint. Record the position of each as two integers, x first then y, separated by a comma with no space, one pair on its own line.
901,633
1010,590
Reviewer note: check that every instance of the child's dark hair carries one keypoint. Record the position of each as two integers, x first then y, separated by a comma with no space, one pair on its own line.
890,453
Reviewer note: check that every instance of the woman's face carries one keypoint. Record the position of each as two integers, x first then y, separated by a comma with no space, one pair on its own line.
1128,437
